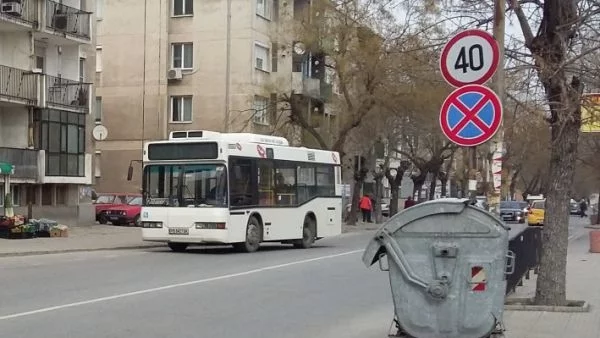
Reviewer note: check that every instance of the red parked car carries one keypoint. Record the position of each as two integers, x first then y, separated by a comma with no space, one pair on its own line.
125,213
106,201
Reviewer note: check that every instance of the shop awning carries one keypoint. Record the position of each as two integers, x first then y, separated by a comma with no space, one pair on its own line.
6,168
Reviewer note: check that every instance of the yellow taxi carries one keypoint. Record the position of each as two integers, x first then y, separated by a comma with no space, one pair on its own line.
536,213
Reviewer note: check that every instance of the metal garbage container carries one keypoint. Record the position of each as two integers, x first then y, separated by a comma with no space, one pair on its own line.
447,261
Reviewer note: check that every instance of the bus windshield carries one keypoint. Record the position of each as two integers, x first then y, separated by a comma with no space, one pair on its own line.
185,185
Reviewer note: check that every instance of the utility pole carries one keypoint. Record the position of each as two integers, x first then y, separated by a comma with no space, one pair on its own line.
498,81
227,67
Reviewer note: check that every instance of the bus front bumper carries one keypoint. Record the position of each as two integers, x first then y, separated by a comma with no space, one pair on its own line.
193,235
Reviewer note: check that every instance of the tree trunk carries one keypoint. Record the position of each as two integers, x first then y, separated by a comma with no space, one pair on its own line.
432,187
551,281
418,181
513,184
378,192
394,196
444,188
395,181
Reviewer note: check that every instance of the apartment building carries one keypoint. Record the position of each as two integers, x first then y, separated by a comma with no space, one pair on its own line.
165,65
46,69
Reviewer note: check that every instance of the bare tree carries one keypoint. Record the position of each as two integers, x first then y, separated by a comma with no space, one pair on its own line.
559,39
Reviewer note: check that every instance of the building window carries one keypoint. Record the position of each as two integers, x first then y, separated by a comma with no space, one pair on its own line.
98,58
260,108
99,9
262,8
274,51
15,191
183,55
261,56
98,109
62,137
275,16
81,69
183,7
181,109
98,164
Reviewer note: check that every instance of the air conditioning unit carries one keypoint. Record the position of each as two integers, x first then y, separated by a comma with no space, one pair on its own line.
174,74
60,20
13,8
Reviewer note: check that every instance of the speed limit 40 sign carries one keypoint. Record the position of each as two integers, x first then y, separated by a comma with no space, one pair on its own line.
470,57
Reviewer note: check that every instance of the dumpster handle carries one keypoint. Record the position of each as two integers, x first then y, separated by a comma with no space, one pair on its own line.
510,262
398,257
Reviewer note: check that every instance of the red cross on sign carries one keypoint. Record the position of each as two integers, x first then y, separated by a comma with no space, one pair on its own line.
471,115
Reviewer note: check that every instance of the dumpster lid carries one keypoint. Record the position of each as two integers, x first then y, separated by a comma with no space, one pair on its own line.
439,206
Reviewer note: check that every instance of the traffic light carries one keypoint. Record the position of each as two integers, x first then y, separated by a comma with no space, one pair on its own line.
359,163
317,66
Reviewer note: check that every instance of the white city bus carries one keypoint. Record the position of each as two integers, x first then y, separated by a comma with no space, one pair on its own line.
204,187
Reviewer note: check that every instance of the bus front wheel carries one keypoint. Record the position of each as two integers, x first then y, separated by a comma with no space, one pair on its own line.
253,237
308,234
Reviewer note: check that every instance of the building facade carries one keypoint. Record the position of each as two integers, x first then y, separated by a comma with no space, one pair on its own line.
165,65
47,61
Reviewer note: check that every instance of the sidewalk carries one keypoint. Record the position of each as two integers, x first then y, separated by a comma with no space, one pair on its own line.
583,276
101,237
360,226
81,238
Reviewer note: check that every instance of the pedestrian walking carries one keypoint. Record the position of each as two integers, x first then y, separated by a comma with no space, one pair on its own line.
583,207
366,206
409,202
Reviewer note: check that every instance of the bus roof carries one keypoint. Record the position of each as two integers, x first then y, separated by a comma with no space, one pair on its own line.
180,147
231,137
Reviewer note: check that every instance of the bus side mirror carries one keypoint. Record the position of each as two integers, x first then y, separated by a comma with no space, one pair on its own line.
130,172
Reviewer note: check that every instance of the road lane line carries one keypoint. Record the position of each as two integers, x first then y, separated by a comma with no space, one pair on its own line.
173,286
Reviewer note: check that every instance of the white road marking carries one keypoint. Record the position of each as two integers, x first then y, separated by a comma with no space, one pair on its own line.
173,286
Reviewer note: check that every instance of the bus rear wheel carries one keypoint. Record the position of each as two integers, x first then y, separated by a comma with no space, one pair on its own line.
178,247
308,234
253,237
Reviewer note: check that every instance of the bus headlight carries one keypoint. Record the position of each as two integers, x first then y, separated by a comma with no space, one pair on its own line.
154,225
209,225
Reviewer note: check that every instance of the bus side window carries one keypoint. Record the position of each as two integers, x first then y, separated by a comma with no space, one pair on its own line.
240,177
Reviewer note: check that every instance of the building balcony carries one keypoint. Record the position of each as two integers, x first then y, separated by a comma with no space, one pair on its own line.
36,166
25,162
18,15
18,86
310,87
60,22
67,21
67,94
22,87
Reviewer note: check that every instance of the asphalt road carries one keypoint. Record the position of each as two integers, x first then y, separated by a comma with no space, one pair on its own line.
278,292
325,291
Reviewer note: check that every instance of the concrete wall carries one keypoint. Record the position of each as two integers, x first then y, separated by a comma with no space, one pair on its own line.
14,122
15,49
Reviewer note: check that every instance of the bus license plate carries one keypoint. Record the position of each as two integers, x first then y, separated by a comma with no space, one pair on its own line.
179,231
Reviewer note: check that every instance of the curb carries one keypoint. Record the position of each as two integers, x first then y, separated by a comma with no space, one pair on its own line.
524,304
50,252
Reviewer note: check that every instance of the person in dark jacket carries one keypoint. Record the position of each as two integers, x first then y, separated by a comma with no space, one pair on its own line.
583,207
409,202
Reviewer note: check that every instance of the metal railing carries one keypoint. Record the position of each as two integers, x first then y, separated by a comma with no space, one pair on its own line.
18,84
526,245
24,160
67,19
24,11
67,93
